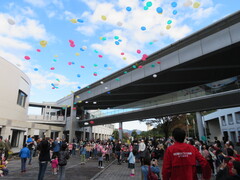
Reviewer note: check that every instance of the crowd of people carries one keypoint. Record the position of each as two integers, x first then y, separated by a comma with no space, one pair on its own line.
181,157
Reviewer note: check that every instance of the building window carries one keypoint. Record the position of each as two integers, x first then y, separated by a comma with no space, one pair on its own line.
15,138
223,120
230,119
237,116
21,98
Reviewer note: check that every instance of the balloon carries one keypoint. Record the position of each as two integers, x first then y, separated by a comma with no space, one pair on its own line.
105,65
54,60
81,49
80,20
159,10
52,68
73,21
145,8
174,12
140,66
84,47
100,56
104,18
95,65
188,3
79,87
95,74
43,43
11,21
117,79
196,4
78,75
69,63
77,54
116,37
139,51
169,22
82,66
151,43
58,80
91,122
143,28
55,55
35,69
72,45
119,23
125,72
27,57
158,62
134,66
149,4
168,26
104,38
154,75
122,53
71,41
152,65
174,4
144,57
38,50
128,8
95,51
117,43
124,58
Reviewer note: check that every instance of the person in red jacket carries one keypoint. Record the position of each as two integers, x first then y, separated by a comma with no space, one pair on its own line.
179,161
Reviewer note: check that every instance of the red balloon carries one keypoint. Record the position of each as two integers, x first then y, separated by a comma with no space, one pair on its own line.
91,122
159,62
122,53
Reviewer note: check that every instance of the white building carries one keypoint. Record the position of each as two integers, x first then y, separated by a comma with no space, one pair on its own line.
224,123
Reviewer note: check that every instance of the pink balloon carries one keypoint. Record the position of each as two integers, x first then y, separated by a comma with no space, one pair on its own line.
72,45
122,53
27,58
82,66
71,41
139,51
38,50
144,57
100,56
69,63
95,74
52,68
140,66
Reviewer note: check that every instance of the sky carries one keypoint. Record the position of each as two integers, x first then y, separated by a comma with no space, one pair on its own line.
65,45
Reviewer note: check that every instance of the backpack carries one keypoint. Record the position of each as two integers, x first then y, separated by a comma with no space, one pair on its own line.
151,175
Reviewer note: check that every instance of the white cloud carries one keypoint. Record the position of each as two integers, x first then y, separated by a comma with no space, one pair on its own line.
44,3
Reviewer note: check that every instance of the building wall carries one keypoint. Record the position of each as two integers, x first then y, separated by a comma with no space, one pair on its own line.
232,128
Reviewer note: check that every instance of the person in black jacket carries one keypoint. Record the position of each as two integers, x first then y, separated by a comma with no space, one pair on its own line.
223,172
44,157
62,161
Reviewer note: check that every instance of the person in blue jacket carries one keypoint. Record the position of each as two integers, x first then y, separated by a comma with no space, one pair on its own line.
24,154
154,168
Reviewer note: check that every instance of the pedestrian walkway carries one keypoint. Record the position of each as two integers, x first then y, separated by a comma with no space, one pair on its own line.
118,172
73,170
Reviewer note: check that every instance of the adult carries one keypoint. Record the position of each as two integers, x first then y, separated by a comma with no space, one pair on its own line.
148,166
223,172
7,148
2,146
44,157
56,146
179,161
30,145
142,151
62,161
118,150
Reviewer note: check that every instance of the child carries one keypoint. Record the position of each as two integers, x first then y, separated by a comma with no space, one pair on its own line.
131,162
24,154
3,167
83,152
100,155
54,163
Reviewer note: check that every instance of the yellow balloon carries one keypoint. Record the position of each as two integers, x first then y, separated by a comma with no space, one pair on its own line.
196,4
124,58
55,55
168,26
43,43
73,20
100,38
79,101
104,18
77,54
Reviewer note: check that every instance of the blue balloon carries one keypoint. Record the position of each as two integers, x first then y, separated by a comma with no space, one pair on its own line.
81,49
143,28
35,69
174,4
109,92
128,8
73,62
105,65
78,75
119,40
80,20
117,43
79,87
159,10
174,12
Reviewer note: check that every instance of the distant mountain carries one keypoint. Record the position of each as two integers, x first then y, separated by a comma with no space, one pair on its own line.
130,131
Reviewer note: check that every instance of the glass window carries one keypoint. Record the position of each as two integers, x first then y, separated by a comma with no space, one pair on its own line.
230,119
223,121
237,116
15,138
21,98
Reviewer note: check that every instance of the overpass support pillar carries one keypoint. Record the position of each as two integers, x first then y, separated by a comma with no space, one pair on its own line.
200,125
120,130
90,133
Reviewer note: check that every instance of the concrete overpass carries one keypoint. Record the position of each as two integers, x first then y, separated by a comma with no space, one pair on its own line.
197,73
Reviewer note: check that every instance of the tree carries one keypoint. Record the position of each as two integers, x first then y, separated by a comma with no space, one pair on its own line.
115,134
134,134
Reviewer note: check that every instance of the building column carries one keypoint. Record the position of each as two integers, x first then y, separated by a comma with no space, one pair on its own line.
73,122
200,125
120,130
90,133
84,134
